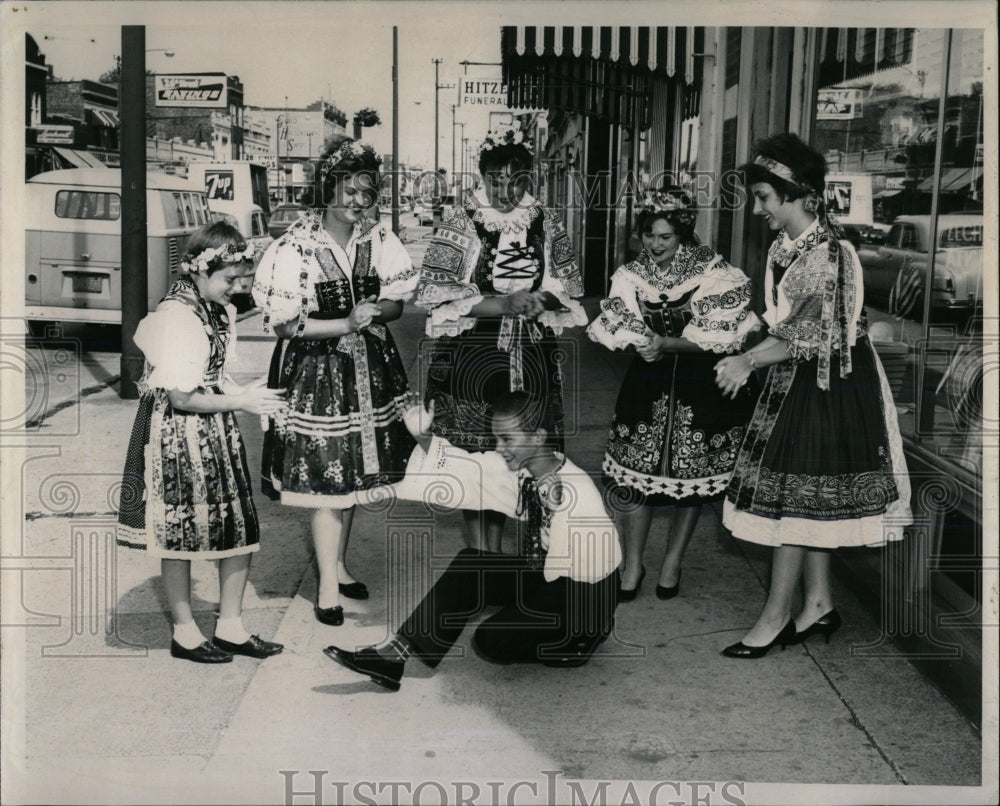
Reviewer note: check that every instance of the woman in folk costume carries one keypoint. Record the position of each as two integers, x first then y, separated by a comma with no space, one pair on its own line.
498,279
186,490
822,463
328,287
675,436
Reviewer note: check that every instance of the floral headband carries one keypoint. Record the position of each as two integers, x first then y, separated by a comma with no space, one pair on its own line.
781,171
659,201
504,137
350,149
227,253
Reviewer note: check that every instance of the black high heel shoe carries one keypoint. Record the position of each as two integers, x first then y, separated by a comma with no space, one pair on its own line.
628,594
826,625
741,650
669,591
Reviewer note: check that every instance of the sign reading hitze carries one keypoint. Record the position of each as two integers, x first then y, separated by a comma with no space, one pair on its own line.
190,89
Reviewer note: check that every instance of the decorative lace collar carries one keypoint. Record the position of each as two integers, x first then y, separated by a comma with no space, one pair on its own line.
516,220
808,237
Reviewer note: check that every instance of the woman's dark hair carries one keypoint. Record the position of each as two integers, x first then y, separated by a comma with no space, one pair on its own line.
364,161
499,157
807,165
682,221
212,236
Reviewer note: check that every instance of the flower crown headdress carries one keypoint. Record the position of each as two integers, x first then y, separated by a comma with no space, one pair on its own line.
227,253
350,149
504,137
663,201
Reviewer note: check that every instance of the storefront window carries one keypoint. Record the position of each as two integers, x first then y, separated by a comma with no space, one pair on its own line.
894,186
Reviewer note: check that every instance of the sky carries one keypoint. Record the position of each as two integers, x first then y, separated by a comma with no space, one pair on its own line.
340,51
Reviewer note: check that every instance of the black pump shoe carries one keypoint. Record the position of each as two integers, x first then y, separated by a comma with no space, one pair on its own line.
741,650
669,591
387,673
826,625
627,595
353,590
334,616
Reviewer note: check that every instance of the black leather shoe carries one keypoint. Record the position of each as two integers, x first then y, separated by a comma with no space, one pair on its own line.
741,650
628,594
353,590
203,653
669,591
334,616
385,672
826,625
253,647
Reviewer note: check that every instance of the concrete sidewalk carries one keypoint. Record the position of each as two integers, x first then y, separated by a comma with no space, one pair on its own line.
109,717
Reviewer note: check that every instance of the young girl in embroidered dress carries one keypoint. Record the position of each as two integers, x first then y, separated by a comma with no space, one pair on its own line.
674,437
498,278
186,491
822,463
328,287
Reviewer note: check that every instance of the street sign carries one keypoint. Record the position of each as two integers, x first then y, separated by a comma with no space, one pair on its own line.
188,89
54,135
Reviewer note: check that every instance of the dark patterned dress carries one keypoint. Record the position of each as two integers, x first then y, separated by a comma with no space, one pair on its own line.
822,464
186,490
674,435
477,252
342,435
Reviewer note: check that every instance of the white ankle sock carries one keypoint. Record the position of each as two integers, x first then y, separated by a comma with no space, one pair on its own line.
231,630
188,635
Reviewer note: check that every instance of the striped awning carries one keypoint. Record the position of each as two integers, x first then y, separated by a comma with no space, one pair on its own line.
601,71
850,53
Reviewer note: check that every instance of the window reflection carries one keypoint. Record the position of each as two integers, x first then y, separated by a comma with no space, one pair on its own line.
914,210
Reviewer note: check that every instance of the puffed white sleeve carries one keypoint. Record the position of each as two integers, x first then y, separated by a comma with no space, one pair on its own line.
722,318
451,478
175,345
620,323
397,274
562,276
278,286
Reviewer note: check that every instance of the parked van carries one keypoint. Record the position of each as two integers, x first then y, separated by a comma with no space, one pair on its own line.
73,241
239,190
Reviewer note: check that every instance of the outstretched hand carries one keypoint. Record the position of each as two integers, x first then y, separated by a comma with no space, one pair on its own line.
256,398
417,418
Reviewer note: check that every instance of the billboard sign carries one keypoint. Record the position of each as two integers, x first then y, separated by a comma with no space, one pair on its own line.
206,90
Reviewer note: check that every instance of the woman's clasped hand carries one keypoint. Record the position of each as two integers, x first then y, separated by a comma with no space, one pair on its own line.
732,374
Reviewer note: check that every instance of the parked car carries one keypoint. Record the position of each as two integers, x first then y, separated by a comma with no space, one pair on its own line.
430,215
283,217
895,272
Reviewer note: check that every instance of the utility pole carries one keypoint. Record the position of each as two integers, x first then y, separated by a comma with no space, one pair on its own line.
453,147
437,62
395,129
134,258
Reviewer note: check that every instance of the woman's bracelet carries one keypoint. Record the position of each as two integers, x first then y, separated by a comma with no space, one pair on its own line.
749,357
